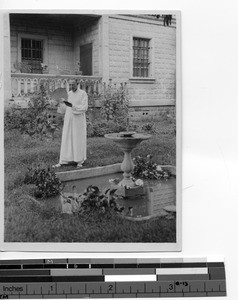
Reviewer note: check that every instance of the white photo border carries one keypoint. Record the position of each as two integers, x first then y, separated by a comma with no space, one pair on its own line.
104,247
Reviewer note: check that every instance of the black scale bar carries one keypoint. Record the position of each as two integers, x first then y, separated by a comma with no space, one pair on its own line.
24,273
13,267
53,279
102,266
39,266
78,266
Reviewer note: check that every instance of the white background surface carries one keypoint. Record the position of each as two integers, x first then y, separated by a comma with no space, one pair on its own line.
209,126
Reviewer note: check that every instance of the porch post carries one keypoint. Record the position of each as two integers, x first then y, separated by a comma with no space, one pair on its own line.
7,59
104,48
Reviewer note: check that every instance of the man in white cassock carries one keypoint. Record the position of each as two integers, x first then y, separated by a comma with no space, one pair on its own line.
74,134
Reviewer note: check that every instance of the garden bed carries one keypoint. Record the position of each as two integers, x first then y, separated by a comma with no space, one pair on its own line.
27,220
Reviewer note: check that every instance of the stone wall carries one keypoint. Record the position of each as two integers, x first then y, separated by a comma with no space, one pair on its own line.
161,89
148,113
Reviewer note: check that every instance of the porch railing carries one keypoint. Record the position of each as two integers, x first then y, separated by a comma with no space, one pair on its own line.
24,84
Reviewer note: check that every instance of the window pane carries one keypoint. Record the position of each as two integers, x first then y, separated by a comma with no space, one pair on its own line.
140,57
32,53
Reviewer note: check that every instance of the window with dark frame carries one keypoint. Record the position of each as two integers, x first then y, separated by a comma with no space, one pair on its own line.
141,61
32,55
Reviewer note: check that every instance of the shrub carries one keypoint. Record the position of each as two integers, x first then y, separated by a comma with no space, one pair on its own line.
94,200
115,103
13,118
148,127
34,120
45,180
146,168
113,114
170,117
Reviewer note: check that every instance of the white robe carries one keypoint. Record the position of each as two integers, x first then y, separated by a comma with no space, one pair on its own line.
74,135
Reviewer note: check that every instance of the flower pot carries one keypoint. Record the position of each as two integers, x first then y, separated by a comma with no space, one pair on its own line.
133,191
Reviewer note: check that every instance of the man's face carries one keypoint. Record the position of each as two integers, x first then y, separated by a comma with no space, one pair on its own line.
74,86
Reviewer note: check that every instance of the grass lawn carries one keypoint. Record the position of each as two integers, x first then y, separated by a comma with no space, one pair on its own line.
27,220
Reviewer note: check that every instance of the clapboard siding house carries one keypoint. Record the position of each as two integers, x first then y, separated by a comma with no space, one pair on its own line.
139,50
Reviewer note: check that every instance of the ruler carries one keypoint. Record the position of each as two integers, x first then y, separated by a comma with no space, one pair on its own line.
111,278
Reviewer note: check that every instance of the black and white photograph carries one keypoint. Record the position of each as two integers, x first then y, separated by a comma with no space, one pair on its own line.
92,131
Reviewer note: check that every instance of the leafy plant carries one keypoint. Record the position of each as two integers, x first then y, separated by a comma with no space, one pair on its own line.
13,118
113,114
148,127
78,68
115,103
44,68
146,168
93,199
22,67
45,180
34,120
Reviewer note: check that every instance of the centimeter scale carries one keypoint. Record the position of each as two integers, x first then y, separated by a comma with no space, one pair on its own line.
111,278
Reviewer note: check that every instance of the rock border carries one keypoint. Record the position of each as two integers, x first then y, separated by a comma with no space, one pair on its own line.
90,172
99,171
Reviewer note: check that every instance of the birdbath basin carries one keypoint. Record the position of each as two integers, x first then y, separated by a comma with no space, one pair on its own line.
127,141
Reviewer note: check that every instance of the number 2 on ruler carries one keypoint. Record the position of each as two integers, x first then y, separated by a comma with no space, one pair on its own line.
110,288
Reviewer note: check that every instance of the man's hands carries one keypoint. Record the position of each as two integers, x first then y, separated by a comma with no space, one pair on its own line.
77,111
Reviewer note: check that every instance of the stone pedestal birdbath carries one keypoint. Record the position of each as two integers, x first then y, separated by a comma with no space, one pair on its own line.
127,141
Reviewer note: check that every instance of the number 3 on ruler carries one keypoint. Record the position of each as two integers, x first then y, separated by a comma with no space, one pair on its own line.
171,286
